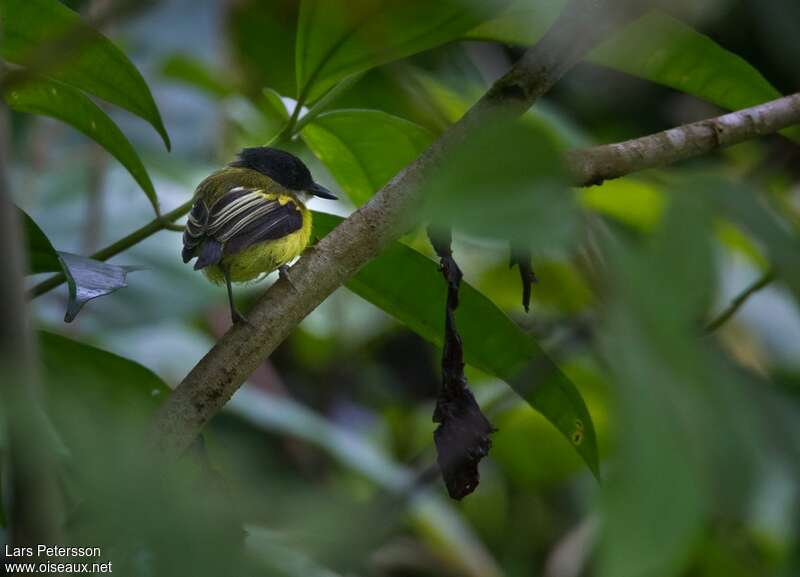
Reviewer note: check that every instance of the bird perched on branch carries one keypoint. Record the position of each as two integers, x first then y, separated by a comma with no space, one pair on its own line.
249,218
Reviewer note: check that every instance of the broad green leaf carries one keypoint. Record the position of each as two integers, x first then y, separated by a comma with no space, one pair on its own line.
450,105
262,38
505,183
743,206
409,286
336,38
634,202
122,382
97,65
657,47
95,397
42,257
51,98
192,72
364,149
667,51
437,521
684,419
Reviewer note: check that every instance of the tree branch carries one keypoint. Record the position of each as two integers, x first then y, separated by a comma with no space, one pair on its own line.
591,166
369,230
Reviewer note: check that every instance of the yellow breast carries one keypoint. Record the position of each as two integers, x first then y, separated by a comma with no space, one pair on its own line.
266,256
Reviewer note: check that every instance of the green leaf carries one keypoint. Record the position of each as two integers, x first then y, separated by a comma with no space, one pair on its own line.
408,286
505,183
99,402
657,47
670,424
193,72
336,38
364,149
51,98
263,37
120,381
42,257
97,66
667,51
437,520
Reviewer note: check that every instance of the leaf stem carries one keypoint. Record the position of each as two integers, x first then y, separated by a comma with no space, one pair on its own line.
740,300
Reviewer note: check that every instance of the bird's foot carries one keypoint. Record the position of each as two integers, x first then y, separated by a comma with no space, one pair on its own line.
283,273
238,318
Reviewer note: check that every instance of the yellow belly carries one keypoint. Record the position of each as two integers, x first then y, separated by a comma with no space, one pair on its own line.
263,257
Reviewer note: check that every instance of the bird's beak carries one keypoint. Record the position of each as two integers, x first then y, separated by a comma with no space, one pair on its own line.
321,191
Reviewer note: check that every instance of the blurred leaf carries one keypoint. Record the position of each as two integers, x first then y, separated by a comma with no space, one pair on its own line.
408,286
51,98
97,66
667,51
263,42
657,47
522,22
436,519
275,103
95,398
193,72
693,430
42,257
89,279
656,499
632,201
506,183
364,149
121,382
747,208
336,38
102,405
449,105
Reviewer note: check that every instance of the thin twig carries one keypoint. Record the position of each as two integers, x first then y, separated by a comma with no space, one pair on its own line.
739,301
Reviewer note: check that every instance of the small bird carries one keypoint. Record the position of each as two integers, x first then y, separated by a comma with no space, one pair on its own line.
249,218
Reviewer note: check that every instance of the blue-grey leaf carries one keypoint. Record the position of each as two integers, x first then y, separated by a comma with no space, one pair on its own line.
88,279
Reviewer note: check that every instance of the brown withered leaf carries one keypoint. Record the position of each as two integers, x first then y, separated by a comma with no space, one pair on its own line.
463,435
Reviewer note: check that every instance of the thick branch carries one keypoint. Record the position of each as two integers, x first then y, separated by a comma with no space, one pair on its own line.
369,230
594,165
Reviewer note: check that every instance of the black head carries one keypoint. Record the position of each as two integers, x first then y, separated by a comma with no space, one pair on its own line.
282,167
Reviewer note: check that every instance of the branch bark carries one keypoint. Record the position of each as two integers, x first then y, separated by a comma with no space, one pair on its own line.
338,256
594,165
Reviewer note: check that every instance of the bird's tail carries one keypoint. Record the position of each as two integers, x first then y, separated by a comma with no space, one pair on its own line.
208,253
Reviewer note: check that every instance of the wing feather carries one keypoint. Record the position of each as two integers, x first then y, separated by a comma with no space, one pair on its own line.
239,219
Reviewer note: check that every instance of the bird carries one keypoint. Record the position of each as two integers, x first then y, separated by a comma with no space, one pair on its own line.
250,218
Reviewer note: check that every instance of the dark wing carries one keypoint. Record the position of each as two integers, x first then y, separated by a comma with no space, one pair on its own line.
241,218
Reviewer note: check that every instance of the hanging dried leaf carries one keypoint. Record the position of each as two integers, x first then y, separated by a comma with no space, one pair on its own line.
521,257
462,438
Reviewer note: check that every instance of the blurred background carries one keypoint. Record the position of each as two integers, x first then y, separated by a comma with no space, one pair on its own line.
325,455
